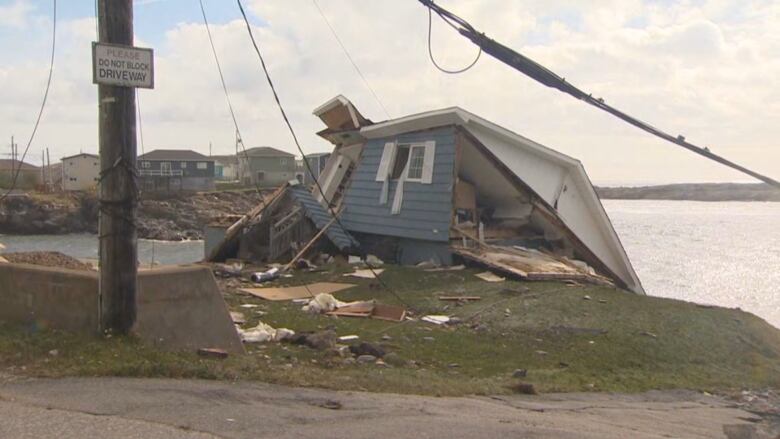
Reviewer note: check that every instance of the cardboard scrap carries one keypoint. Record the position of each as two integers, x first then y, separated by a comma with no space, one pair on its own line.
370,309
489,277
299,292
388,312
366,274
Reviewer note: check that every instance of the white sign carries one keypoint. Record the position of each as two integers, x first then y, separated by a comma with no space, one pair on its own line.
125,66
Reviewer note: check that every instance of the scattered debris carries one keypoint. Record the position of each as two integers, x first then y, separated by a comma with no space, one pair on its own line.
648,334
228,270
366,274
322,340
237,317
54,352
489,277
248,305
429,339
541,352
212,353
364,359
354,309
263,333
365,348
520,373
265,276
322,303
373,260
436,319
348,338
586,297
299,292
388,312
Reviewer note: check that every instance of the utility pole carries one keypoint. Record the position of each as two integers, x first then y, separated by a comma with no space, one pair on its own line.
118,194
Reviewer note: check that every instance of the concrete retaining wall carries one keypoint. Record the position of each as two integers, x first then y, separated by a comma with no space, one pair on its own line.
179,308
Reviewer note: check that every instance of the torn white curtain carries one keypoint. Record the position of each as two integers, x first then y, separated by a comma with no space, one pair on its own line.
398,197
385,168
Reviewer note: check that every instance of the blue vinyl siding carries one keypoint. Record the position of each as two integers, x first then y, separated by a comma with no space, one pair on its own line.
427,208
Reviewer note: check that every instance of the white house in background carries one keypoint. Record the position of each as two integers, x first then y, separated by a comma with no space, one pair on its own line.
225,167
80,172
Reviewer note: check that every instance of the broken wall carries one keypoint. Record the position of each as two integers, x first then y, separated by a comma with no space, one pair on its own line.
426,210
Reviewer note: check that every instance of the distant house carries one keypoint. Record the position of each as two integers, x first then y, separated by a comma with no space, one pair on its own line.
29,175
175,170
317,163
80,172
265,166
225,167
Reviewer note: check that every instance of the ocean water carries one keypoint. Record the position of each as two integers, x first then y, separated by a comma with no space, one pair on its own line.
85,246
725,254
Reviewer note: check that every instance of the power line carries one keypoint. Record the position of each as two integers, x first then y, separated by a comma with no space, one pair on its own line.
430,50
227,97
352,61
298,145
545,76
140,121
43,102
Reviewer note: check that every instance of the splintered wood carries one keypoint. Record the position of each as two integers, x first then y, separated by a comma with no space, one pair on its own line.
531,264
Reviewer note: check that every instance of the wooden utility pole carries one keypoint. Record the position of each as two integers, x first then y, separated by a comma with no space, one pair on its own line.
48,168
117,189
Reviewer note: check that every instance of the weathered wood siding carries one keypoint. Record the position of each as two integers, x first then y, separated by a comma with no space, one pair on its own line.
426,209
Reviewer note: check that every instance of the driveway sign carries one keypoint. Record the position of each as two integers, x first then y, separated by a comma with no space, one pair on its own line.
124,66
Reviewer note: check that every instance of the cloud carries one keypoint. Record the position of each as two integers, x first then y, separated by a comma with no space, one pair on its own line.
687,68
15,14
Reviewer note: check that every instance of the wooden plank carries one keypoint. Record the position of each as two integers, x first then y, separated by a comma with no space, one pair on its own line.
307,246
232,232
298,292
459,298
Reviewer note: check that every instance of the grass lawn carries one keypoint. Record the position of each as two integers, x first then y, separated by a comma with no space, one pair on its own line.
609,341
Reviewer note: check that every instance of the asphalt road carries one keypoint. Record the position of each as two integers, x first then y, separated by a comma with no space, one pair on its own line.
160,408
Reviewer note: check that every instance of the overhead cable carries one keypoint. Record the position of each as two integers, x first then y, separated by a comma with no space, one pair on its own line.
352,61
298,145
545,76
43,102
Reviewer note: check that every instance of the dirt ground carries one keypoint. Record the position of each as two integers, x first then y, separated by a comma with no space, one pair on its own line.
47,259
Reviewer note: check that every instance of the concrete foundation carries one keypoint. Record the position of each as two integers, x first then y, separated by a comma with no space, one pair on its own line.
179,308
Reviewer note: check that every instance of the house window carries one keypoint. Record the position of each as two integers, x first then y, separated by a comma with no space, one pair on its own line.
401,157
165,167
203,165
146,165
282,162
184,165
416,159
260,176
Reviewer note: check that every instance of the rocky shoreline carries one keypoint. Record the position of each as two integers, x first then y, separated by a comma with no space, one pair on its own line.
693,192
175,217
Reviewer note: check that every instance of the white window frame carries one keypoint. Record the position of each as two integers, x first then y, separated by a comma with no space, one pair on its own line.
146,164
183,165
412,148
283,161
202,165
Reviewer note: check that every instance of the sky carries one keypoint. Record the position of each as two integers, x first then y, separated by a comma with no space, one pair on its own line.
706,69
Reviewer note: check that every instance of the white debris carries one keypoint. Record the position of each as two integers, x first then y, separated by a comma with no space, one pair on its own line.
436,319
249,305
323,302
348,337
354,259
263,333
